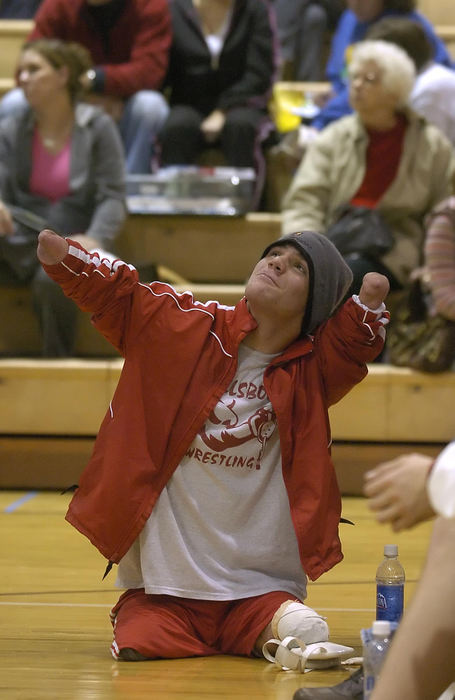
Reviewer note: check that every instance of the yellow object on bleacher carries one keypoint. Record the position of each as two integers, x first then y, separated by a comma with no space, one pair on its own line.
282,103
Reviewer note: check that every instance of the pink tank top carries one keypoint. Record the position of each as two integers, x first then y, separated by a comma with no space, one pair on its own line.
50,175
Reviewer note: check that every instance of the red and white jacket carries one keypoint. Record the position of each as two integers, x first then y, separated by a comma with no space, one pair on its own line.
180,356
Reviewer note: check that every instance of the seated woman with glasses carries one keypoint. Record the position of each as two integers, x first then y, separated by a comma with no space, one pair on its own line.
383,156
357,20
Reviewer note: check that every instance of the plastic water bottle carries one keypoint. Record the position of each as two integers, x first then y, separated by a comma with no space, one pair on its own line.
390,586
376,643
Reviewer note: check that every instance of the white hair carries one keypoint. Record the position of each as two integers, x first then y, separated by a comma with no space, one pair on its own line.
398,72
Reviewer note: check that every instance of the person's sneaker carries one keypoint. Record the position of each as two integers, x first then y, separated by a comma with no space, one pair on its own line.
350,689
291,654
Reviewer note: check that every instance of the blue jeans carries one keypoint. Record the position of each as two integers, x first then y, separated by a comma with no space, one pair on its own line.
143,116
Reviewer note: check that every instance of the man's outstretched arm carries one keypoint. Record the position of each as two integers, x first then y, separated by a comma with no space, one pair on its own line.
96,284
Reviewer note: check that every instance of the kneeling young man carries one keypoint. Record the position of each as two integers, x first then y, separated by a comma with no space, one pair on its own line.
211,483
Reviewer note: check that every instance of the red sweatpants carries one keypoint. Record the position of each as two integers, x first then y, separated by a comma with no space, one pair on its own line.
167,627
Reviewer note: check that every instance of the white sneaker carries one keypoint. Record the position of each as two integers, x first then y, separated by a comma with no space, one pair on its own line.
291,654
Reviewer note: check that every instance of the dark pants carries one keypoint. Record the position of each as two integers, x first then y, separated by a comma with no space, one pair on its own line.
302,25
56,313
181,139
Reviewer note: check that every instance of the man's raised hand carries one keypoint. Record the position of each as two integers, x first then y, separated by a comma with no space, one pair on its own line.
52,248
374,289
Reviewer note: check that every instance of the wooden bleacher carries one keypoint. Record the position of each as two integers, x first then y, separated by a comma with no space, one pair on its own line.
50,411
391,405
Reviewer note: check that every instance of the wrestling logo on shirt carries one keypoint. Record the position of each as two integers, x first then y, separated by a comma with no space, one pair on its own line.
234,435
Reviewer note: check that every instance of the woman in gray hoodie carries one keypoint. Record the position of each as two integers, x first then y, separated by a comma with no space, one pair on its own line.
61,165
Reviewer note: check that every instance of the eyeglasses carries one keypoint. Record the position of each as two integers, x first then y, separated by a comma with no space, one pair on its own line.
367,78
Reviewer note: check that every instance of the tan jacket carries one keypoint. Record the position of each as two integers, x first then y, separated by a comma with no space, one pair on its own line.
333,169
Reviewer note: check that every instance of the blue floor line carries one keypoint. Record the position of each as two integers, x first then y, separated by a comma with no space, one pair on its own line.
20,501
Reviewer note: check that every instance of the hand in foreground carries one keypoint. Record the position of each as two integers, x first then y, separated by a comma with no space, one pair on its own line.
398,491
52,248
374,289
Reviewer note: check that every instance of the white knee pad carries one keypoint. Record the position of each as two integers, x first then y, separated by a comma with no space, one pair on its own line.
298,620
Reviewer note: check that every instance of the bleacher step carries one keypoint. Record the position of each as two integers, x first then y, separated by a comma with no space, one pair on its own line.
70,397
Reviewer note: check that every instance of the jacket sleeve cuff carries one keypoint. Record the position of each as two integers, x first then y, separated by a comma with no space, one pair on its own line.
71,265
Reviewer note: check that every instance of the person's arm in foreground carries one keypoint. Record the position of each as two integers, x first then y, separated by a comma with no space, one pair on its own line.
421,661
403,492
412,488
397,491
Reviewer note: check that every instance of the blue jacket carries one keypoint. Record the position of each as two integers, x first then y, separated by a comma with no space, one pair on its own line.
350,31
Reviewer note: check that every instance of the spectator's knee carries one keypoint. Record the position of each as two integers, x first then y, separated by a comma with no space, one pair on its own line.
148,106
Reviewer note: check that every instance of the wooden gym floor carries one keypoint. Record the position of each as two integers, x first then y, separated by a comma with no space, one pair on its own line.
55,633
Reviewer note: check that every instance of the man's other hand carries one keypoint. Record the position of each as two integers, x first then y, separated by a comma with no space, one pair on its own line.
374,290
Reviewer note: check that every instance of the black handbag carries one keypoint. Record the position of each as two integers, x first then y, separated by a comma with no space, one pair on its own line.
360,230
418,339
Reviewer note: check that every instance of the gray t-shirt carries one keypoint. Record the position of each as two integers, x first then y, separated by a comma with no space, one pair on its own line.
221,528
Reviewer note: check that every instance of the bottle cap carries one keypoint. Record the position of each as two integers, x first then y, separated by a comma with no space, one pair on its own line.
381,628
391,550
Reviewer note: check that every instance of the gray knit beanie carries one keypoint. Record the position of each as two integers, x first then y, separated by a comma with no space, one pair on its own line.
330,276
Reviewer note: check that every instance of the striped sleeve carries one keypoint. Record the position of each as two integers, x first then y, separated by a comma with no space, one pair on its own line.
440,257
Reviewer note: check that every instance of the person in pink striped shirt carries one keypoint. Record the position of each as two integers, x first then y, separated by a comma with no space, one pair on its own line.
439,271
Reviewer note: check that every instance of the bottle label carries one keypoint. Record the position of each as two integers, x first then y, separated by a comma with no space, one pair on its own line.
389,602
